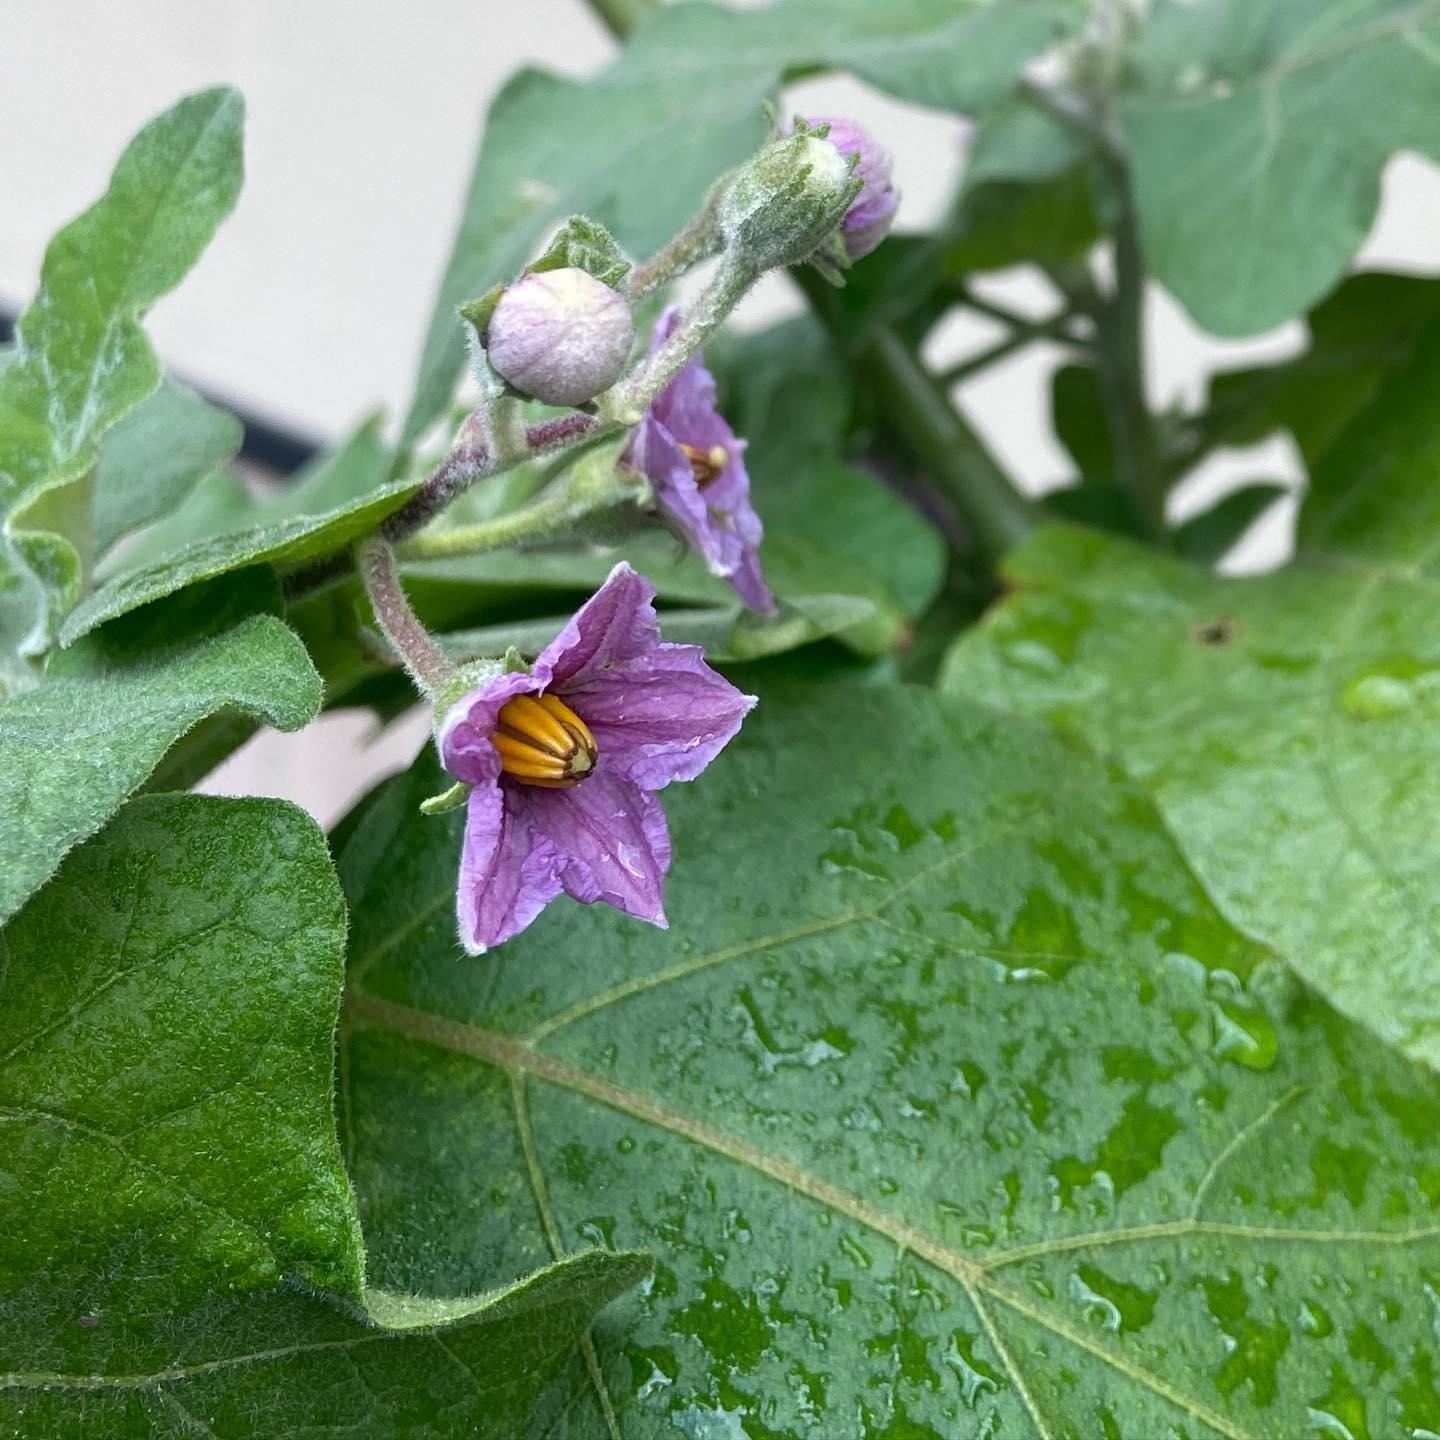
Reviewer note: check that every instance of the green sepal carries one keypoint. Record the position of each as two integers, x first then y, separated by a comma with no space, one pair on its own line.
466,678
446,800
580,243
584,244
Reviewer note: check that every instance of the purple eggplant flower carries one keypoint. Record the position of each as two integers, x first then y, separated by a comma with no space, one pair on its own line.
564,762
695,462
868,220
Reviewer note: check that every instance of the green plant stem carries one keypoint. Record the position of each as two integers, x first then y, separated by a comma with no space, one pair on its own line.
621,17
997,515
1121,327
1120,318
916,404
1023,334
533,523
409,639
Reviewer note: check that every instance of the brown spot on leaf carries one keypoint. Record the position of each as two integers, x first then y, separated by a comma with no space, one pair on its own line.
1216,632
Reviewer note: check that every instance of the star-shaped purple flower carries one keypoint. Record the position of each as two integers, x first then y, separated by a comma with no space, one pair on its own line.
695,463
564,762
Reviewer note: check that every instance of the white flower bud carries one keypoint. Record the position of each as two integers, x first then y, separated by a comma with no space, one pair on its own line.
560,336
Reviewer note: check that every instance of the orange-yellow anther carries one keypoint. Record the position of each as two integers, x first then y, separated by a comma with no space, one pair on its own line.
542,741
706,464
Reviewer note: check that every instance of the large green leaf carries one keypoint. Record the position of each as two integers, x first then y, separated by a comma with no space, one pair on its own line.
1252,198
1286,727
72,750
1285,723
221,527
179,1249
1360,336
639,146
949,1106
82,359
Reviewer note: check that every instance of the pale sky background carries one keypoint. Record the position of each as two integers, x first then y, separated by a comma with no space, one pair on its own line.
310,306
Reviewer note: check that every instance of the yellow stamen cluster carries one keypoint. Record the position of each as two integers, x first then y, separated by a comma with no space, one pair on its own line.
542,741
706,464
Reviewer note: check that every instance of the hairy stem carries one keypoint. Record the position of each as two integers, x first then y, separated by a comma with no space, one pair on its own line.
469,462
409,639
699,240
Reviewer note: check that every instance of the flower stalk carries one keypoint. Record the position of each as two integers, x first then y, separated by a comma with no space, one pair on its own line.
423,659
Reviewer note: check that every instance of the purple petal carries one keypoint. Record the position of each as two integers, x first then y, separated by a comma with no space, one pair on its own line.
509,871
611,839
660,717
615,624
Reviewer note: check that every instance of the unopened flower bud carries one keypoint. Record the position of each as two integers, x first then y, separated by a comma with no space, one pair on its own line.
782,206
560,336
872,212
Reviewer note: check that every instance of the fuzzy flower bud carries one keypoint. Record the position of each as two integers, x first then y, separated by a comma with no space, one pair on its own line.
560,336
869,217
786,202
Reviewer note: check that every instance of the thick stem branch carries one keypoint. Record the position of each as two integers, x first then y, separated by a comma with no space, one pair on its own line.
995,513
1122,372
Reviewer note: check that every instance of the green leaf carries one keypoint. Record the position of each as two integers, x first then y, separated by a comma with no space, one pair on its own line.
1026,196
1251,198
221,528
1374,495
1359,336
82,359
152,459
171,1189
638,147
949,1106
78,745
1207,538
1286,726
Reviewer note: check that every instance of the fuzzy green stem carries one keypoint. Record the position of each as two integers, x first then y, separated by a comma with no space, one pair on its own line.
625,403
699,240
541,520
1120,319
409,639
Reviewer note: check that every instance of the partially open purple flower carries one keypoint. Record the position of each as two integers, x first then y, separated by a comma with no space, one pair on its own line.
695,463
869,218
564,762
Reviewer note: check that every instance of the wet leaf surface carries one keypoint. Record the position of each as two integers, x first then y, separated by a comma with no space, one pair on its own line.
972,1117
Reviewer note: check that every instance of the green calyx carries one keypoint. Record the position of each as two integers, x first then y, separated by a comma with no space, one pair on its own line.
788,200
581,244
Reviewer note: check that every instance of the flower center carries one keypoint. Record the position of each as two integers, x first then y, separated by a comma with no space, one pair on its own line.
706,464
542,741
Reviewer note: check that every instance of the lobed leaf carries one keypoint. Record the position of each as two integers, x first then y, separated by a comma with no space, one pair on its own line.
171,1189
968,1115
222,528
1252,197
